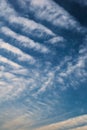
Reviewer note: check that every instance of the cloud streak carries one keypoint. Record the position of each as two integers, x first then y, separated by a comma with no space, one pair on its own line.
67,124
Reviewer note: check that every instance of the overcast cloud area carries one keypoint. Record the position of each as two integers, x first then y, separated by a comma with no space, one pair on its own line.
43,65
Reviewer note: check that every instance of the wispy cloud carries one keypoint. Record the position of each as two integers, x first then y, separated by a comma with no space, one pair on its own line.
9,62
23,40
54,14
42,52
16,52
67,124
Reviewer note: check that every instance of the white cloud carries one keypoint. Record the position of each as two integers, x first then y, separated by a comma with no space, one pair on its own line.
9,62
54,14
57,40
40,2
19,122
80,128
17,52
30,26
5,9
23,40
16,117
46,82
16,81
12,79
67,124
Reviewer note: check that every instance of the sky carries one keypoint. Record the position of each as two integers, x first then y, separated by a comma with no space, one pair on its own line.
43,65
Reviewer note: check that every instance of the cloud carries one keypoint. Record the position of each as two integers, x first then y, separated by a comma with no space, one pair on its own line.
57,40
5,8
38,59
73,71
23,40
80,128
67,124
47,81
9,62
16,52
29,26
53,14
16,117
17,122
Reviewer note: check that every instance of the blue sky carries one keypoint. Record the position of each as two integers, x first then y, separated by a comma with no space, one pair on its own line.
43,65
